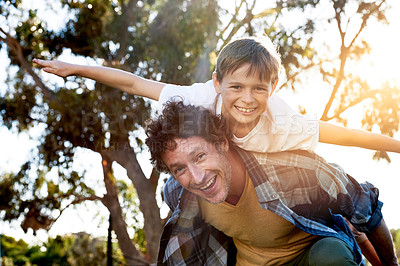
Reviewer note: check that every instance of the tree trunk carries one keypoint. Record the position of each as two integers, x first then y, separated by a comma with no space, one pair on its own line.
109,243
126,157
110,200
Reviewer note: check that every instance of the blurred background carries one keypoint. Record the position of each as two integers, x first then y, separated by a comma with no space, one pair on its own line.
76,185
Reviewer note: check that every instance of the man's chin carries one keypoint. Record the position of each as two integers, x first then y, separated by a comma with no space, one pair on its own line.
215,200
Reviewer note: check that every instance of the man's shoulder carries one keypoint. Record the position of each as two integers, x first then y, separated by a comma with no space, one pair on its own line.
172,191
199,94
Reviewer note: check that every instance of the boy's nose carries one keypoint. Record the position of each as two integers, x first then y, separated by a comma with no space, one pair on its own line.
247,96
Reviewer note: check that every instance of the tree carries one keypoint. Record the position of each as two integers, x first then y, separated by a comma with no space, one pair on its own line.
173,41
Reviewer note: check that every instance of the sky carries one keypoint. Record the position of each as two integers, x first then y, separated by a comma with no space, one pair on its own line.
381,66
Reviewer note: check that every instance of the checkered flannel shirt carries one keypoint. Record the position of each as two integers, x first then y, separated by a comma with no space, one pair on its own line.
300,186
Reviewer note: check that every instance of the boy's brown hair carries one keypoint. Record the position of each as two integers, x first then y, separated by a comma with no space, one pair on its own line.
260,53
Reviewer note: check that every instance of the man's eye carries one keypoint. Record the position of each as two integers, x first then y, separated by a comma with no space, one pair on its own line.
201,156
178,170
260,89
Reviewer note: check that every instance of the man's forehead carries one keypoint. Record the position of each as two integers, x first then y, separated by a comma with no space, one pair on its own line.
188,145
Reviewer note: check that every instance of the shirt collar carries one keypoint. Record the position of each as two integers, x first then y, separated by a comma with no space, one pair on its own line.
264,189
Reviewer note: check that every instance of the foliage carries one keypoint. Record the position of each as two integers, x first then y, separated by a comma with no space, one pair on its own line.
34,206
76,249
129,202
17,250
396,240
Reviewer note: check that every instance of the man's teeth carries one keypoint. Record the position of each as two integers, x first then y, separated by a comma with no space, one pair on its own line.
206,186
246,110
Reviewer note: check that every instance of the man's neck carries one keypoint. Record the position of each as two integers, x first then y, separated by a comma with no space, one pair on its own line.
238,180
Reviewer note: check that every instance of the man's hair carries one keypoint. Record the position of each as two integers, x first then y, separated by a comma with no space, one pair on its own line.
260,53
180,121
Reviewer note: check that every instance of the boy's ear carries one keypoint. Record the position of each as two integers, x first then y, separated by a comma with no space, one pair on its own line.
225,145
216,83
274,86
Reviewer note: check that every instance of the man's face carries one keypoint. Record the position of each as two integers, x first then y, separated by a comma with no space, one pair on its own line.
244,98
200,167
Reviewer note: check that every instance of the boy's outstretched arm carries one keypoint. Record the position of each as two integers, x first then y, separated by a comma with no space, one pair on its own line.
333,134
112,77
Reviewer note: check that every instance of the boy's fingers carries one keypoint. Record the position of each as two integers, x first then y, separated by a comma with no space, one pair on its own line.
41,62
48,69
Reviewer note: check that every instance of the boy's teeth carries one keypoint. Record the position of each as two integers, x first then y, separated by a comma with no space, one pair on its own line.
208,184
245,110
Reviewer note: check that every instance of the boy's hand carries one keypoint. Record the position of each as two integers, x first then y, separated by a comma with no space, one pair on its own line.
55,67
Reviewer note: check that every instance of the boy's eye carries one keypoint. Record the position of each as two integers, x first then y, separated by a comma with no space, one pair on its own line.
235,87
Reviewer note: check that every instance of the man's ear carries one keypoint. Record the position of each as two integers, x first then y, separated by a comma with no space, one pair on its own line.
216,83
222,146
274,86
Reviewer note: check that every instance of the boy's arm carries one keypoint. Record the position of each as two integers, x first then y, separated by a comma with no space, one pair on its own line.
332,134
368,250
383,244
112,77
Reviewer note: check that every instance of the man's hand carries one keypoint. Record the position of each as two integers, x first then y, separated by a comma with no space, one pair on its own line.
56,67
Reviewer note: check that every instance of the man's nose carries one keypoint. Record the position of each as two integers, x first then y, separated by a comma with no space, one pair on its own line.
197,173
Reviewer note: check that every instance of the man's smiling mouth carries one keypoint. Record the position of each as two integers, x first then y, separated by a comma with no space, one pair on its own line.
209,184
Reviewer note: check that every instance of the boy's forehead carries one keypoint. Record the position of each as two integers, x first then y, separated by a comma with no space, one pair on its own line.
246,71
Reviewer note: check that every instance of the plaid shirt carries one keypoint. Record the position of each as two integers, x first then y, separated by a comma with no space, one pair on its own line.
299,186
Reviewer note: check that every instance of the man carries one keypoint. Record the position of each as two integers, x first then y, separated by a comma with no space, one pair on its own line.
231,206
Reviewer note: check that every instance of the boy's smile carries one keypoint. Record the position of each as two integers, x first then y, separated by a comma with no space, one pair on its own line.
244,99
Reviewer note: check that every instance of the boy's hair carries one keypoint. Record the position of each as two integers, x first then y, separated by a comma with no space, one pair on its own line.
180,121
260,53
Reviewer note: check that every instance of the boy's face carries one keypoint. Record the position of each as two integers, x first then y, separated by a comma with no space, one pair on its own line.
244,99
200,167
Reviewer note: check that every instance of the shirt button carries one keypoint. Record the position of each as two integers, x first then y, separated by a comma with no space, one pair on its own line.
273,196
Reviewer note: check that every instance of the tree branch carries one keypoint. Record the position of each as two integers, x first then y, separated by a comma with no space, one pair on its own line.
128,12
235,28
18,51
294,75
368,95
78,199
344,53
364,22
